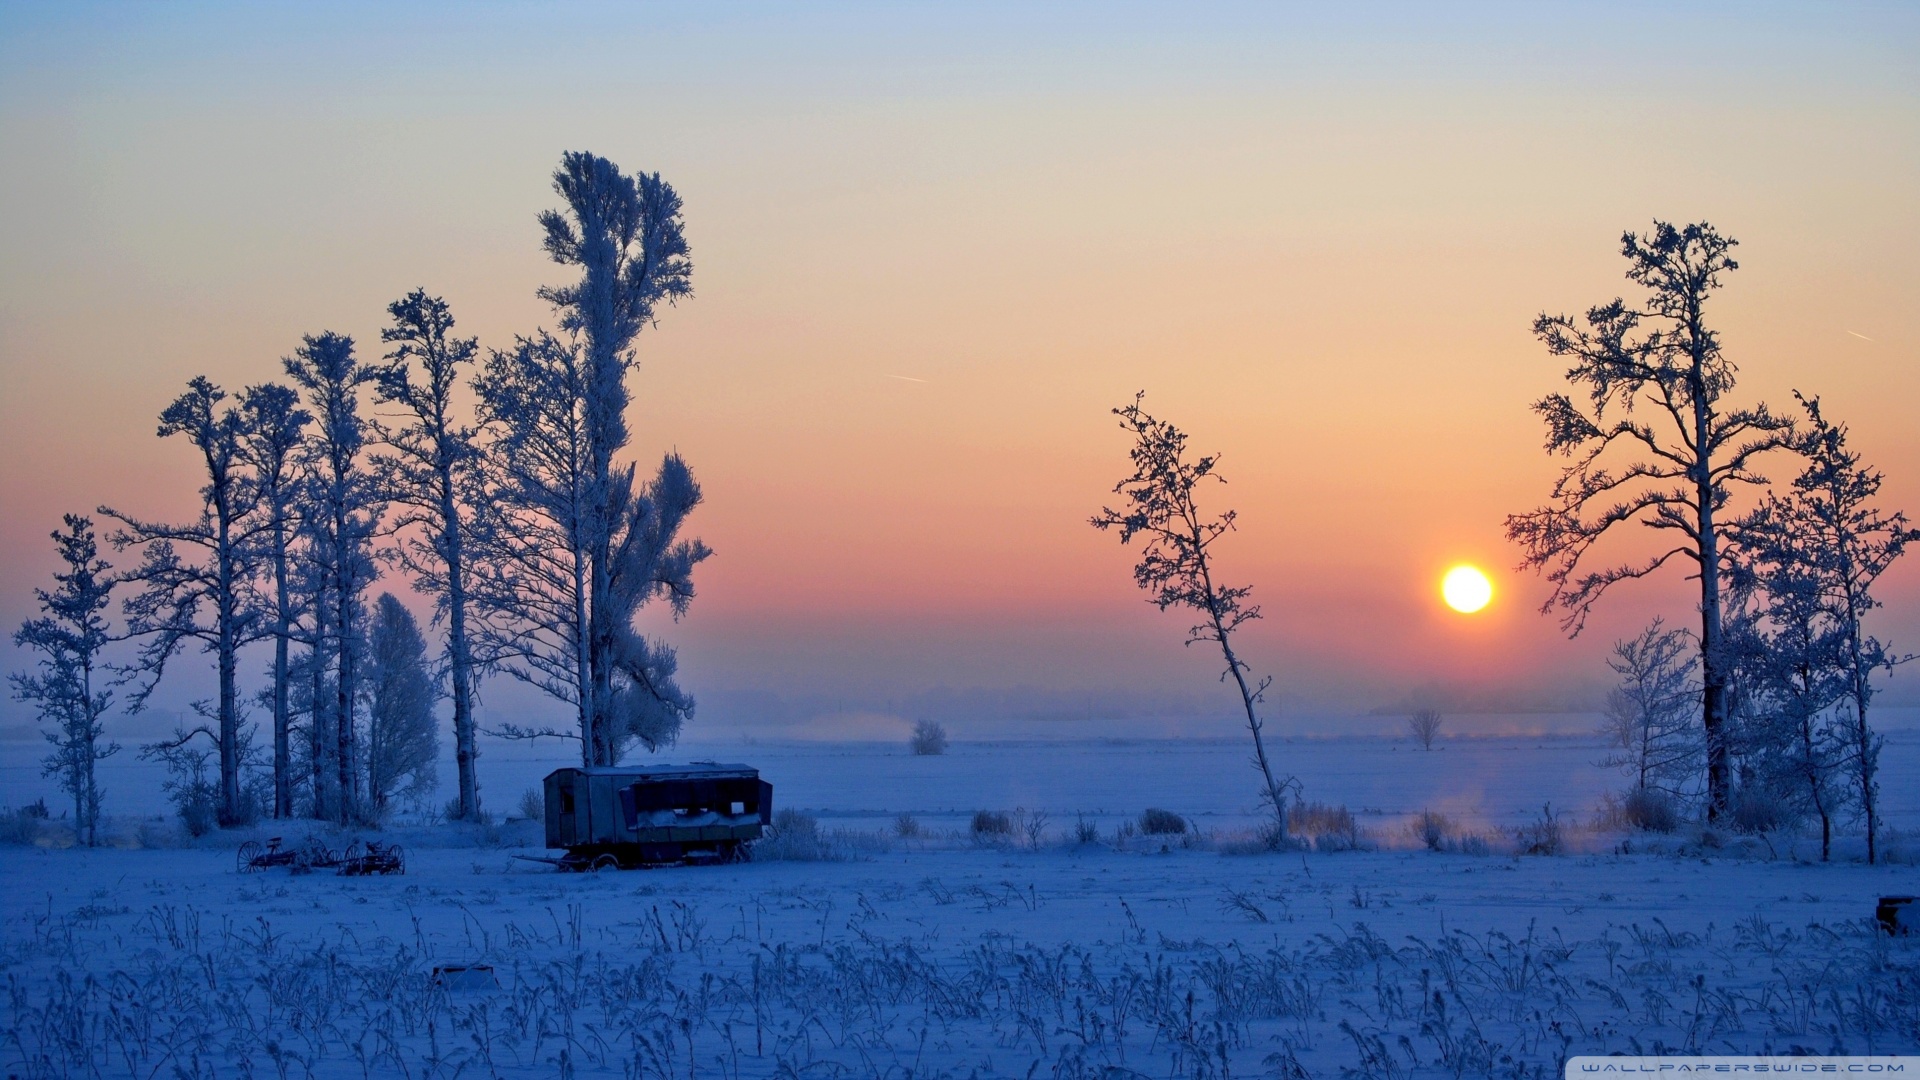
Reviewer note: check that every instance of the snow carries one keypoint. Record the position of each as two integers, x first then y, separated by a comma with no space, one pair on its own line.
940,956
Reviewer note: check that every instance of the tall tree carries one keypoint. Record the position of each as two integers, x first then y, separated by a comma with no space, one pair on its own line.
71,634
1175,568
208,599
401,738
1656,381
532,572
1851,543
531,566
432,474
275,426
626,236
342,511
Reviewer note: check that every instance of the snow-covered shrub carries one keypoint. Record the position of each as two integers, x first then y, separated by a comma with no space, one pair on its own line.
795,837
1084,831
906,827
22,826
1327,828
1433,830
1157,822
991,825
929,738
1757,810
1543,836
533,805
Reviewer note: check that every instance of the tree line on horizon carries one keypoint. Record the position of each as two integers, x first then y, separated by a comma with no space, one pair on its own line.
517,515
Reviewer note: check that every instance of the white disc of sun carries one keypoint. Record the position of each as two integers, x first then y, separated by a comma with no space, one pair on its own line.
1466,589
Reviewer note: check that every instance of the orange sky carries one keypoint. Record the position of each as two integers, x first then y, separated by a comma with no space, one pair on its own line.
932,249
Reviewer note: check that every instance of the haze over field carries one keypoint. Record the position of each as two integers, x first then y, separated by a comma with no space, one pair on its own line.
934,247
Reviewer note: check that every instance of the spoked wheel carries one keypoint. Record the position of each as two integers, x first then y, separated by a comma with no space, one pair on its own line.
314,853
354,850
249,852
604,862
399,859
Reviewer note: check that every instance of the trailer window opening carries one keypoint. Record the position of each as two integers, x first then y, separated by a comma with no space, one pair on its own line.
566,800
738,808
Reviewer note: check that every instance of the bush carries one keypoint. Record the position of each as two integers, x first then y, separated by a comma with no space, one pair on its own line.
929,738
795,837
21,826
533,805
1542,837
1084,831
906,826
1755,811
1157,822
1651,810
989,824
1326,827
1433,830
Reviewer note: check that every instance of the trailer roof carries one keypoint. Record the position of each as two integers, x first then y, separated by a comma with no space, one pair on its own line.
664,771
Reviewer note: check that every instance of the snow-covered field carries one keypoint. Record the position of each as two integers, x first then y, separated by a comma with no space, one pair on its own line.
937,955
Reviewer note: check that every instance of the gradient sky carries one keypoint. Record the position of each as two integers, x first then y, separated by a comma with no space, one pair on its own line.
934,245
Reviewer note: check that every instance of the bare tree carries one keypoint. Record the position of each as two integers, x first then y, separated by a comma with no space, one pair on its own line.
1851,543
1651,708
341,512
401,737
70,635
1656,380
211,599
275,425
1425,726
432,475
1174,567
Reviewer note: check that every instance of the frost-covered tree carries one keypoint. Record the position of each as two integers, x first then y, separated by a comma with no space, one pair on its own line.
626,236
1657,443
275,426
402,737
532,576
341,509
1175,567
1850,543
207,597
67,685
1652,708
431,473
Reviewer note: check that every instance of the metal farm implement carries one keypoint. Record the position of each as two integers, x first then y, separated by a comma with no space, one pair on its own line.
312,854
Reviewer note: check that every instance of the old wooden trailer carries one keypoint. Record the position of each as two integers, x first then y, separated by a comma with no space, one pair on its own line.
634,815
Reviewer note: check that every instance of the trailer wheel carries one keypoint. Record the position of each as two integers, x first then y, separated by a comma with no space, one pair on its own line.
605,862
250,851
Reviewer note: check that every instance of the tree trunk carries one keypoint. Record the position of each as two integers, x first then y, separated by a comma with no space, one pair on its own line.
460,659
343,683
282,741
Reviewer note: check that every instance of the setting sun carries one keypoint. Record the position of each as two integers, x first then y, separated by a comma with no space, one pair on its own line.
1466,589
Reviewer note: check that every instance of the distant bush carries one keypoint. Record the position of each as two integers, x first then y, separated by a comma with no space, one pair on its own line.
906,826
989,824
794,837
533,805
929,738
21,826
1543,836
1326,827
36,809
1645,809
1433,830
1031,826
1157,822
1084,831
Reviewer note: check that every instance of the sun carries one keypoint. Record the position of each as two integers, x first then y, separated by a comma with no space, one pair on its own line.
1466,589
